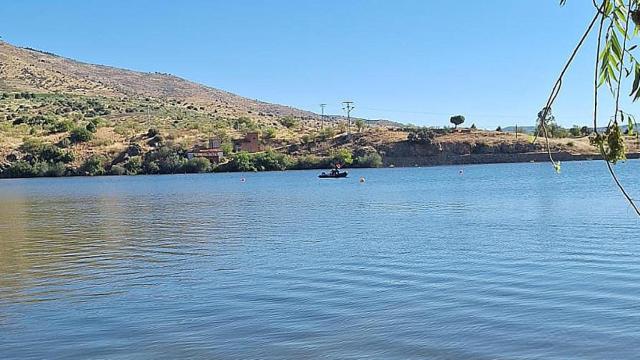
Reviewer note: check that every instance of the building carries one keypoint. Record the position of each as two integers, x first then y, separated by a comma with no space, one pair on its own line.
213,152
250,143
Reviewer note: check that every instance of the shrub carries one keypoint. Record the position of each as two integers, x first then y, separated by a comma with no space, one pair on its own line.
269,133
242,161
289,122
21,168
61,126
117,170
575,131
341,157
153,132
373,160
312,162
41,151
271,160
80,134
56,169
93,166
133,165
164,160
326,133
197,165
91,127
422,135
360,124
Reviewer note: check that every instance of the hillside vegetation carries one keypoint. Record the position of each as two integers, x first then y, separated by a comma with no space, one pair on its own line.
62,117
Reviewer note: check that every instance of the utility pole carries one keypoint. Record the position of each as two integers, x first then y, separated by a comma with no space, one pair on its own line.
516,131
348,106
322,116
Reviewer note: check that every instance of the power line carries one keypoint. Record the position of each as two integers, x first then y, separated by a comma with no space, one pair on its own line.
322,115
348,106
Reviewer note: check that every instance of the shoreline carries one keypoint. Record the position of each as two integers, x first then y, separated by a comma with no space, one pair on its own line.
407,162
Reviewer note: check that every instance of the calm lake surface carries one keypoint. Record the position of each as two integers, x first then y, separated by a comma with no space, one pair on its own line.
506,261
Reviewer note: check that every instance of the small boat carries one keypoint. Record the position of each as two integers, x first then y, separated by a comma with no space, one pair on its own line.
333,174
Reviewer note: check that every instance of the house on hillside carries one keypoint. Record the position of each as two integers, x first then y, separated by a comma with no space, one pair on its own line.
213,152
250,143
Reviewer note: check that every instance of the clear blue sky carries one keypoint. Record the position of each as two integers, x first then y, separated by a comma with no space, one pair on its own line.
416,61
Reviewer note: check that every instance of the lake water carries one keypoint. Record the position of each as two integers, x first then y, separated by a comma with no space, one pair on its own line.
506,261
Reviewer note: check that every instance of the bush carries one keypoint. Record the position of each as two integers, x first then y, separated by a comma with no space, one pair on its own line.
23,168
56,169
20,168
575,131
133,165
91,127
197,165
341,157
165,160
242,161
269,133
41,151
61,126
289,122
373,160
153,132
422,135
271,160
93,166
117,170
326,133
79,135
312,162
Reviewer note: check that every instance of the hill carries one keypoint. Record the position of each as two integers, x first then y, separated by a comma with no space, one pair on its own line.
30,70
63,117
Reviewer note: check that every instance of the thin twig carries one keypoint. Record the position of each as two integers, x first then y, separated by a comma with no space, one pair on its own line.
558,85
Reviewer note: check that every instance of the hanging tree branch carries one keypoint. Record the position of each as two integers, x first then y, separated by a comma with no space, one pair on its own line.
609,69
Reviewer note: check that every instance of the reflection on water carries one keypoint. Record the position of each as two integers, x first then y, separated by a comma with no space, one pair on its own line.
506,261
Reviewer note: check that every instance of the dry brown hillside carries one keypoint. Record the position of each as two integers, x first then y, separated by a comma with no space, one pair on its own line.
36,71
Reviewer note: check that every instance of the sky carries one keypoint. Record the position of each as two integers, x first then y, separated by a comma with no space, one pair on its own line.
413,61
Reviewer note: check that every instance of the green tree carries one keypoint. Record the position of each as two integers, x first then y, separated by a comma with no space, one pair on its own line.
457,120
360,124
342,157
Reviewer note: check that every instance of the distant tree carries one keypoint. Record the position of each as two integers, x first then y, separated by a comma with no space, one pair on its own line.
457,120
360,124
342,157
473,126
575,131
499,129
585,131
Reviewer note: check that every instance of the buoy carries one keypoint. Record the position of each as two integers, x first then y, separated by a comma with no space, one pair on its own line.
362,179
461,172
242,179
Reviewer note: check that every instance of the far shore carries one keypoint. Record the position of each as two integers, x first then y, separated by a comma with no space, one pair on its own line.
427,161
